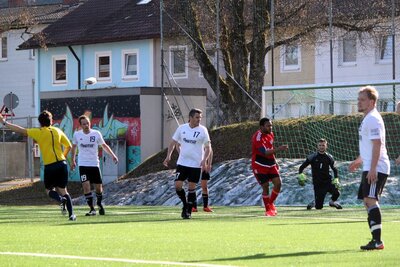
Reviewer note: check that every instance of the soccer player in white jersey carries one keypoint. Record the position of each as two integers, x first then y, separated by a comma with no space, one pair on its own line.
195,147
375,160
88,141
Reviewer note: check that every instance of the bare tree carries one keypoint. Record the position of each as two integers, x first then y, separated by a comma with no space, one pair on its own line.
245,38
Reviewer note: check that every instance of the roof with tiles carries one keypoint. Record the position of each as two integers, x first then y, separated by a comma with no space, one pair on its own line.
102,21
16,17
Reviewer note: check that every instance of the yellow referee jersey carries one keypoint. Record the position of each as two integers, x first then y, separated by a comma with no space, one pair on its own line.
50,140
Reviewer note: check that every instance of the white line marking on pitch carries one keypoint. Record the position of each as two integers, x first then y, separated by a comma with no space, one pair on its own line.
112,259
248,216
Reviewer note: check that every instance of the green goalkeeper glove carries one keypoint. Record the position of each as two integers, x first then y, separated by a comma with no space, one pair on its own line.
301,179
336,183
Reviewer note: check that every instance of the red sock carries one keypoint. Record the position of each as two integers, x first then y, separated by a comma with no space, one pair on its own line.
266,200
274,195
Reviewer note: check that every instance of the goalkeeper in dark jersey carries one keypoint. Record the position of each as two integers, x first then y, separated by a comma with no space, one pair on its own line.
320,162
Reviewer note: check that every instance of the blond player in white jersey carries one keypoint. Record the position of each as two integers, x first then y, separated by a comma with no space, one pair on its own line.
195,147
375,160
88,141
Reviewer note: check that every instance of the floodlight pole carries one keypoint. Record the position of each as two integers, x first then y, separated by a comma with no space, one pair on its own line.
393,54
218,50
162,73
332,108
272,14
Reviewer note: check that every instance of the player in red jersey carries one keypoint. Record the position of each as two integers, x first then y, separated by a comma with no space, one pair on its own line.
264,164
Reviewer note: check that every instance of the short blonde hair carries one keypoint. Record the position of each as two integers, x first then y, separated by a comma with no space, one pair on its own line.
371,92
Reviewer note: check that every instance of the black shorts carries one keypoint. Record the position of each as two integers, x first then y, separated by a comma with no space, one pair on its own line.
263,178
205,176
191,174
91,174
55,175
371,190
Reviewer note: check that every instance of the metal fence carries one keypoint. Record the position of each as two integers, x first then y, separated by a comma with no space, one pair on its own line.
18,155
295,101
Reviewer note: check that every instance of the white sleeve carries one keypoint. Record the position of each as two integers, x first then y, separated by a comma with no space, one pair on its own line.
100,140
206,136
177,134
75,139
375,128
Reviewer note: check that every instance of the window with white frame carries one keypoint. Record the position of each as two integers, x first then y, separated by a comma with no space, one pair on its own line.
178,61
291,58
103,66
212,54
348,51
32,54
130,64
60,69
385,50
3,46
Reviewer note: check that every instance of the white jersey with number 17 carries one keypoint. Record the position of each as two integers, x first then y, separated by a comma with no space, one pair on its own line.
192,141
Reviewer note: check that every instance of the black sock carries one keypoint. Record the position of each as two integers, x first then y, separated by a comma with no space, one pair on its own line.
375,220
205,200
195,201
191,200
182,196
69,205
54,195
89,200
99,197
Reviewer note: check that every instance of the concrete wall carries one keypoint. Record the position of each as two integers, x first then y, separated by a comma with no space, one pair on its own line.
153,139
147,106
11,165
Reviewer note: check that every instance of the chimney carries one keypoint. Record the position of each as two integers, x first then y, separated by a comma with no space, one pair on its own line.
16,3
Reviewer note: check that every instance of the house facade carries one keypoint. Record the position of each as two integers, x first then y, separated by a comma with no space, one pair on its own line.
357,59
105,67
18,21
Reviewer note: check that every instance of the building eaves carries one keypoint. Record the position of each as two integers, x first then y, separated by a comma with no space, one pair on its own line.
21,17
99,21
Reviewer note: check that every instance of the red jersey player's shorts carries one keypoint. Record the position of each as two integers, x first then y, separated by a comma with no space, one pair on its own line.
266,174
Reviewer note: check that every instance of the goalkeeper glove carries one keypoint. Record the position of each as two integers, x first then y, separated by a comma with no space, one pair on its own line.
301,179
336,183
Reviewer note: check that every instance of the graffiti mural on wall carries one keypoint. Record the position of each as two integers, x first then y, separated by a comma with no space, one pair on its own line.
116,117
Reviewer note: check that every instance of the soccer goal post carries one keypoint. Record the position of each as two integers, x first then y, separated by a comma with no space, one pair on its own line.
294,101
302,116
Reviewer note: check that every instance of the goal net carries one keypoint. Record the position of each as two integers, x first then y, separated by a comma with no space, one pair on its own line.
305,113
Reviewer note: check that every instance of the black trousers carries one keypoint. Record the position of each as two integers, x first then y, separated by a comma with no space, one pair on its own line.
320,191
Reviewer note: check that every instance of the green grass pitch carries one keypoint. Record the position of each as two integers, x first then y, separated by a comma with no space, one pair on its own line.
231,236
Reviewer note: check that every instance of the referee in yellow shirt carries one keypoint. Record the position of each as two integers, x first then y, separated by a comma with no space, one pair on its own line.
54,146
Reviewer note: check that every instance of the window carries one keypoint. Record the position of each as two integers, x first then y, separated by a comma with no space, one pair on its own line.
3,51
130,64
385,51
59,69
178,61
103,66
32,54
290,58
348,51
311,109
212,54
